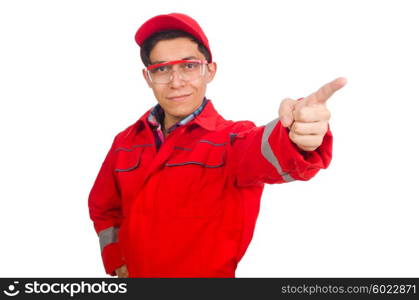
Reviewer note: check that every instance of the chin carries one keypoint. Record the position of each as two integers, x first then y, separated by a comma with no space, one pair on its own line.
181,112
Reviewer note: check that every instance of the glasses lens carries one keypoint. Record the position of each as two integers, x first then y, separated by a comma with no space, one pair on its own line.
186,70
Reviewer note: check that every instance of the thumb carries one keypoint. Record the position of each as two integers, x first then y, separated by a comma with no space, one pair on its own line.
285,111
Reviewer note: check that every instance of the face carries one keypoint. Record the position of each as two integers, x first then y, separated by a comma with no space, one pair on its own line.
192,92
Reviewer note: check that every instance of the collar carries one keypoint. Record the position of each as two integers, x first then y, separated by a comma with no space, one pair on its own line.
207,118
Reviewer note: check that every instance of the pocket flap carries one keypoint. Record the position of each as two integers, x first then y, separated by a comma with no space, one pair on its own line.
129,158
205,153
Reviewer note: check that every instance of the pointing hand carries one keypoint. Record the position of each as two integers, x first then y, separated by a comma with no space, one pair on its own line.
308,118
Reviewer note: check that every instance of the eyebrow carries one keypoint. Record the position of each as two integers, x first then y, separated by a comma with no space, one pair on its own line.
162,61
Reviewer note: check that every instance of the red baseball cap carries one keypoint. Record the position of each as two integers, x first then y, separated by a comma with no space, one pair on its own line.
173,21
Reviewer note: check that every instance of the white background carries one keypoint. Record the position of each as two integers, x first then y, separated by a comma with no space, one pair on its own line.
70,81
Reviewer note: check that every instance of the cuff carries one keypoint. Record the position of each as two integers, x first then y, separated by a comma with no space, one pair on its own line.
112,258
301,165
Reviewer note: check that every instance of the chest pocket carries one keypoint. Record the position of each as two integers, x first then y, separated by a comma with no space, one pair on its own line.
195,179
128,166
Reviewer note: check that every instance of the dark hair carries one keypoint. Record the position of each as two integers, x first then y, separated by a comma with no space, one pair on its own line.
152,40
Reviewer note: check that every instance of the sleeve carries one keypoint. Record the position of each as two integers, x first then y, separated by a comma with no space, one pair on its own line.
105,211
265,154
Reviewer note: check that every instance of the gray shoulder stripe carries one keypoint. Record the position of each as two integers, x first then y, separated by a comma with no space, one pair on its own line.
108,236
268,153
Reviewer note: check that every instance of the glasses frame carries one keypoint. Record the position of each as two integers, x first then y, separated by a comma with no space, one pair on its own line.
173,62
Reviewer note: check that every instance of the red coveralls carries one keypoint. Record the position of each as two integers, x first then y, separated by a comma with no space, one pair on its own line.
189,210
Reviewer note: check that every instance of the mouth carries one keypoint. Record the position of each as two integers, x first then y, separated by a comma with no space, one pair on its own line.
179,98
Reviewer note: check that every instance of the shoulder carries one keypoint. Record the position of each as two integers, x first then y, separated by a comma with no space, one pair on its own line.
132,131
239,126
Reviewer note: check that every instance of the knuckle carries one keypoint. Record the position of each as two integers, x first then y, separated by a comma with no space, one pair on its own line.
320,129
297,127
318,140
293,136
307,147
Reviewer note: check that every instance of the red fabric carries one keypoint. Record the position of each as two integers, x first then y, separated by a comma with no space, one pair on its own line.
113,258
190,209
172,21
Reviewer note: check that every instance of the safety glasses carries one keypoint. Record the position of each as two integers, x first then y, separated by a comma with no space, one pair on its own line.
187,70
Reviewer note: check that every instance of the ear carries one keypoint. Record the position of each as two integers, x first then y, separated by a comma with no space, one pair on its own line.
212,69
145,75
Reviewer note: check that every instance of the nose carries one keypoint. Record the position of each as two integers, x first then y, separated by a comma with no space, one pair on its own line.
176,79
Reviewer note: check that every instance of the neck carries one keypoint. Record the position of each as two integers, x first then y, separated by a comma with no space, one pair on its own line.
164,131
168,122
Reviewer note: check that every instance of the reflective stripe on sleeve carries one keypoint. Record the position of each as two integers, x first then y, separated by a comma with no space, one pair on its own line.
269,154
108,236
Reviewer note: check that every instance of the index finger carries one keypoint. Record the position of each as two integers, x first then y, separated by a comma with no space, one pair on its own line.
326,91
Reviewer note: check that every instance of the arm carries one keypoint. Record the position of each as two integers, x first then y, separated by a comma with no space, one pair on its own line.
265,154
105,211
295,148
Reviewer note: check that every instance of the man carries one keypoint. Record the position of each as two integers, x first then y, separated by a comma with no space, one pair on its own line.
179,191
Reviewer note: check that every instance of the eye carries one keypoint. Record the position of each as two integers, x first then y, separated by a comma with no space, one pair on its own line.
159,69
190,66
